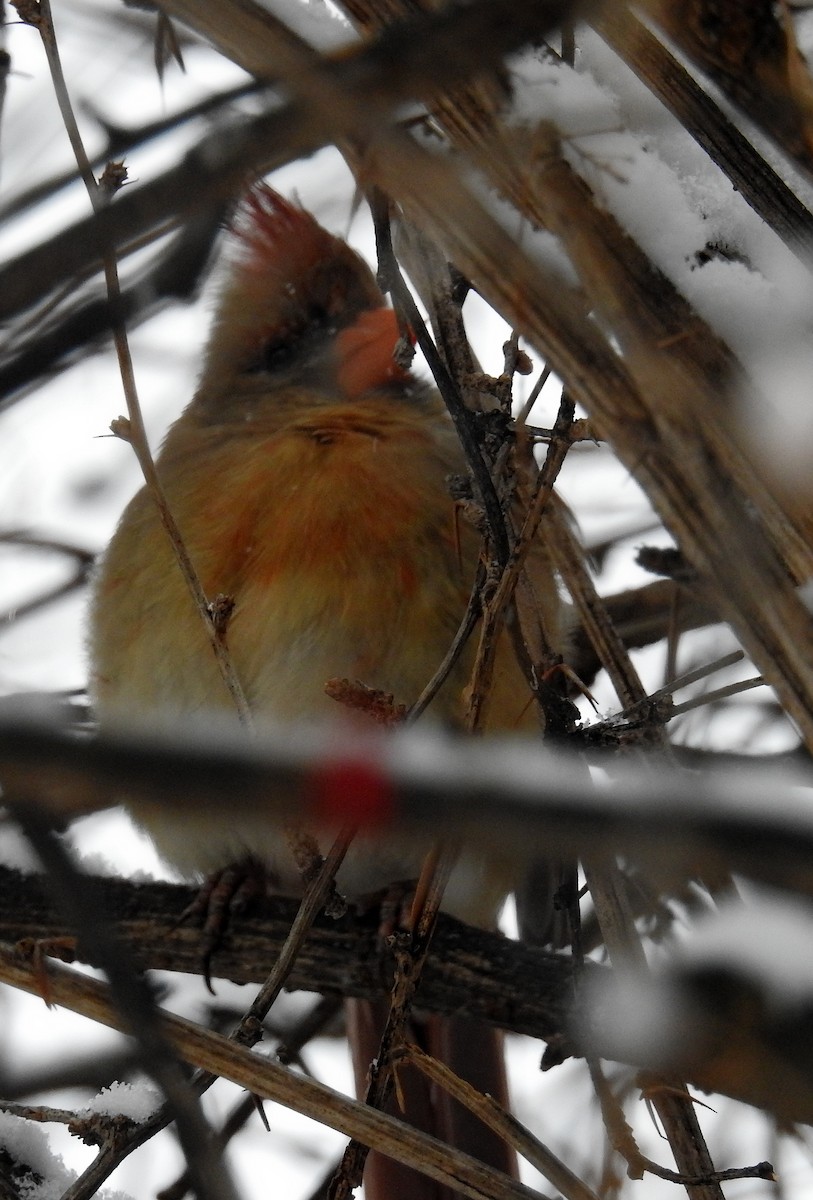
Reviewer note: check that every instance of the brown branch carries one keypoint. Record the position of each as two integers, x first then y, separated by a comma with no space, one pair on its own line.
596,622
750,53
641,617
503,1123
215,1054
498,604
471,972
317,893
754,178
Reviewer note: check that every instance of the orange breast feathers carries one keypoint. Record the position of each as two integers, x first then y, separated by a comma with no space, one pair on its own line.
337,540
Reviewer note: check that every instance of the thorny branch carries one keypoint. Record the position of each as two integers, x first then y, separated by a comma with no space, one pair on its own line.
132,430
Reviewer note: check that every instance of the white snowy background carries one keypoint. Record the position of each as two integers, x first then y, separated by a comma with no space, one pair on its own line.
62,476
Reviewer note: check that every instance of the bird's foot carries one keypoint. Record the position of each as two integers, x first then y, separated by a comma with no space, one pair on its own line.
223,895
394,906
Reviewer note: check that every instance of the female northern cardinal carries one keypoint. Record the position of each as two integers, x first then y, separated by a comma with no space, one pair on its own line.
308,477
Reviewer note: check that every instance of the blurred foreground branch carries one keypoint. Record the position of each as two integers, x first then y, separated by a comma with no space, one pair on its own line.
502,796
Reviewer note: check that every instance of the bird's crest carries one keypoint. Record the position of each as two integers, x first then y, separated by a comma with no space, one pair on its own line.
278,236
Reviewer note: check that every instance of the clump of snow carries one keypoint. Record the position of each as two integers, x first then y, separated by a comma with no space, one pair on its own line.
694,226
316,21
767,940
770,940
109,844
27,1144
803,26
547,89
665,211
15,851
137,1101
637,1019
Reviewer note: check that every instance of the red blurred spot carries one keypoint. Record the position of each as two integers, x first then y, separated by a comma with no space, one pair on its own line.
351,791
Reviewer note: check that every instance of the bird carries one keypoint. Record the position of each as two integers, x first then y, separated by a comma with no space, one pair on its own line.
309,480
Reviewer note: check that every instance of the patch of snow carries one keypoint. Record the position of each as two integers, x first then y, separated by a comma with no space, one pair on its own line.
138,1101
770,940
319,23
27,1144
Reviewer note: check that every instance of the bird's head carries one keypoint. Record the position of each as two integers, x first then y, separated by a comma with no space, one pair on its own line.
299,306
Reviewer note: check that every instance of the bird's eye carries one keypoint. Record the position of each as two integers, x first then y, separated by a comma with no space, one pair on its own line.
274,355
281,351
319,320
271,357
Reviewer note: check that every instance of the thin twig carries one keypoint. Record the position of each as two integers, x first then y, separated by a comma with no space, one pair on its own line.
21,537
671,1101
394,282
133,429
122,140
623,1142
523,414
733,689
83,563
597,623
503,1123
41,1113
312,904
458,645
497,605
20,611
682,681
653,702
